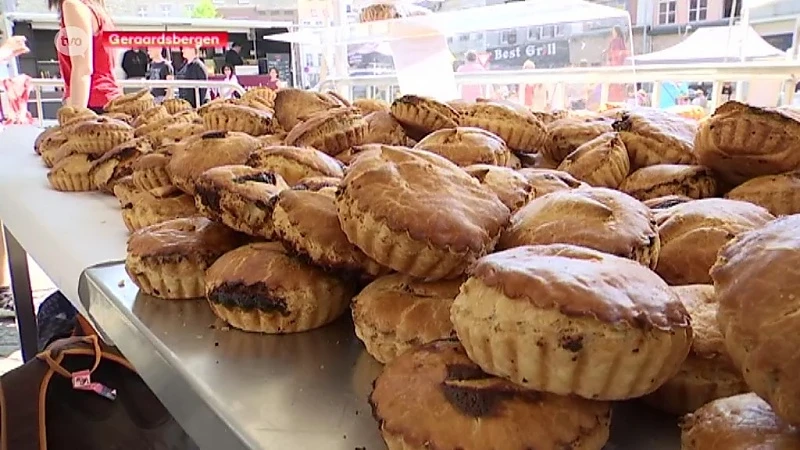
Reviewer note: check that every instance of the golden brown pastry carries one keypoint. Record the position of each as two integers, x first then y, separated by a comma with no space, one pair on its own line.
153,114
124,190
519,128
142,209
466,146
742,422
545,181
391,206
756,282
47,133
779,194
371,105
293,106
100,135
511,187
667,201
295,163
572,320
175,132
317,184
654,136
240,197
598,218
131,104
601,162
708,372
176,105
693,232
50,144
565,135
670,179
67,113
378,11
740,141
122,117
306,222
158,129
421,116
332,131
548,117
169,260
211,149
396,313
260,288
150,170
239,118
382,128
118,163
71,174
434,397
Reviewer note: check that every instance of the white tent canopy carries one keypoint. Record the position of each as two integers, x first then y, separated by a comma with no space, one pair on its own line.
715,44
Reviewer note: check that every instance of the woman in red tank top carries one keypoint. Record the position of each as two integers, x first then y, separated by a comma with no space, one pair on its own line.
87,69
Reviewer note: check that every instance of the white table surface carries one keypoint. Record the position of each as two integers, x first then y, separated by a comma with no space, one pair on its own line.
64,232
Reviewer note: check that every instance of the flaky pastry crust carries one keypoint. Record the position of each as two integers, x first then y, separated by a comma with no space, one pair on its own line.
571,320
756,282
512,188
466,146
670,179
779,194
421,116
600,162
520,129
332,131
390,205
565,135
654,136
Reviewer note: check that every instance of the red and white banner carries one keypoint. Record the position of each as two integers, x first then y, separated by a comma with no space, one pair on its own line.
165,39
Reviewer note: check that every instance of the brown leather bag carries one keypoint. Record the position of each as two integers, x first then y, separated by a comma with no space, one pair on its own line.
42,409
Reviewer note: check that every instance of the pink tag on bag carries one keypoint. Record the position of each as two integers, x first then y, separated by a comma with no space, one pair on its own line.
82,381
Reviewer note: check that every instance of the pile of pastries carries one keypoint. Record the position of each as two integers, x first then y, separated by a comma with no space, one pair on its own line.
516,271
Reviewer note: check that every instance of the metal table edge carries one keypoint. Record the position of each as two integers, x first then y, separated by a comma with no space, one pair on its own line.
153,360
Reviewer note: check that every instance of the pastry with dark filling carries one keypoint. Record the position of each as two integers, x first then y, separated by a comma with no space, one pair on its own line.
743,422
545,181
151,115
145,208
421,116
601,162
466,146
572,320
118,163
150,170
692,234
71,174
306,222
598,218
670,179
665,202
49,144
511,187
260,288
434,397
209,150
654,136
100,135
175,132
780,194
317,184
295,163
391,206
156,128
332,131
519,128
240,197
708,373
396,313
169,260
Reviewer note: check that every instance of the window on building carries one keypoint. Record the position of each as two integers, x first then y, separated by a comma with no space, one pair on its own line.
534,33
166,9
667,11
508,37
698,10
463,38
728,9
142,11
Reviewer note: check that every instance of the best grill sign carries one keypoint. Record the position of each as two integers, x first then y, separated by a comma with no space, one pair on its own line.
529,51
544,55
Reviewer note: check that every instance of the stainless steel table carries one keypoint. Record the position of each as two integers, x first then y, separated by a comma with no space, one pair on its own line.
233,390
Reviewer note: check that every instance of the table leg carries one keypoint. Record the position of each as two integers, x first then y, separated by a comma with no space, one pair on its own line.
23,296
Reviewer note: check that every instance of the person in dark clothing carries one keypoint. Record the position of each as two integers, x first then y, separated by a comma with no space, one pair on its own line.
160,69
194,69
233,57
134,63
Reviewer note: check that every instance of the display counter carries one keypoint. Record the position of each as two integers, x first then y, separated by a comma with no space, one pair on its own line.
228,389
